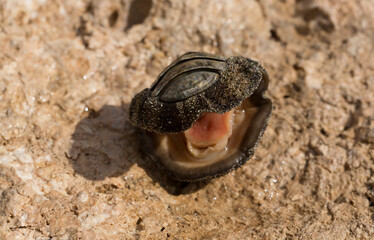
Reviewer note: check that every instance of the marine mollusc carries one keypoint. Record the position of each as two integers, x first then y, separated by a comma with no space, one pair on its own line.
204,115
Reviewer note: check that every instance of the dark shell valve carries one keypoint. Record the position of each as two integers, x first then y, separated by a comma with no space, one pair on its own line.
194,84
188,84
191,74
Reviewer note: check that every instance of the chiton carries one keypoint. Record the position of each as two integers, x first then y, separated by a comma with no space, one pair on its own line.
204,115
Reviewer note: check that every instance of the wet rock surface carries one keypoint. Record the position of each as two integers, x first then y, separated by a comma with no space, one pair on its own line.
70,161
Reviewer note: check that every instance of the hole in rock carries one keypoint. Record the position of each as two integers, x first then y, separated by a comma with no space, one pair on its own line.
139,10
113,18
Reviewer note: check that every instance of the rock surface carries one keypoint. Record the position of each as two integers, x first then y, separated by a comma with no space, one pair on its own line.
70,162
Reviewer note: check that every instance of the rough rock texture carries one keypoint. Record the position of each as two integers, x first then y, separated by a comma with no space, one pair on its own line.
70,163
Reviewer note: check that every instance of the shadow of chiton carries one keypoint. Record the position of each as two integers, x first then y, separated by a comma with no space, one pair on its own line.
204,115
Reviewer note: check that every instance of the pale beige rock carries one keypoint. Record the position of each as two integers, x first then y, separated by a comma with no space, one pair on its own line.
70,162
